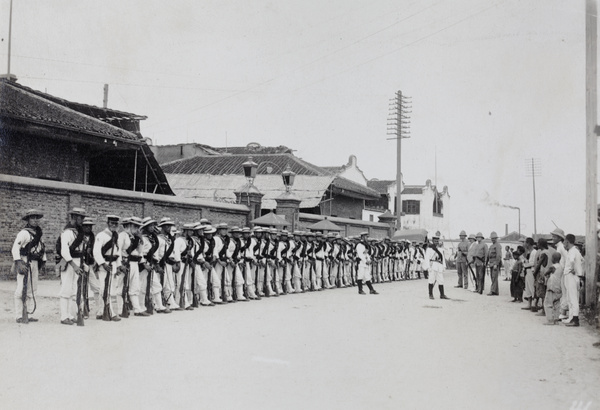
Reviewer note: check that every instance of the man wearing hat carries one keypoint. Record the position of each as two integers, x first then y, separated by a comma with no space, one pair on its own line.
71,252
29,256
558,238
248,262
222,261
131,246
494,261
573,279
294,255
89,281
471,263
364,268
461,261
479,254
259,262
184,247
166,244
150,285
434,263
213,280
107,256
268,257
528,265
201,266
237,264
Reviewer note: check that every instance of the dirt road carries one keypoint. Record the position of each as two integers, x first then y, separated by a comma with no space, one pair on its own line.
323,350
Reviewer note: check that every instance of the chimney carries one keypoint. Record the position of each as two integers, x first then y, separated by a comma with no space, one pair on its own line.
505,229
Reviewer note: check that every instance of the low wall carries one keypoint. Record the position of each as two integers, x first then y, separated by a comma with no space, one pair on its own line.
351,227
55,199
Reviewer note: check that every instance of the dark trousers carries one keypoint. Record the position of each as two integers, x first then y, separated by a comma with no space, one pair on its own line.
462,271
513,284
494,270
480,269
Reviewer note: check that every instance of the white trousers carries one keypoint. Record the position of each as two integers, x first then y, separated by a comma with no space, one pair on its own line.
572,286
68,290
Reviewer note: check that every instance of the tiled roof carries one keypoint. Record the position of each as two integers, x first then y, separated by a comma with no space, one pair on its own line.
413,189
94,111
334,170
19,103
348,185
309,189
380,186
268,164
232,165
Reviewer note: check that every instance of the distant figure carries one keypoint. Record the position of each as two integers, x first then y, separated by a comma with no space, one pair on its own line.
508,262
461,261
530,256
573,279
517,283
480,253
494,260
553,290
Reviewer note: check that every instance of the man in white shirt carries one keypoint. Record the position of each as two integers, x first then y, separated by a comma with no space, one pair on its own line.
107,256
364,265
434,263
573,274
71,252
28,257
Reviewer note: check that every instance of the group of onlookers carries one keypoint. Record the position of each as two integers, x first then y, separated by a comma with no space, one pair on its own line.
548,276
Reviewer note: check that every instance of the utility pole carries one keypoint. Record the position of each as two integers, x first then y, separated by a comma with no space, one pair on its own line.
9,39
398,126
591,193
533,170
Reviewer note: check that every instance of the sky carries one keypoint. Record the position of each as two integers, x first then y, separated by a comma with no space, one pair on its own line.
493,84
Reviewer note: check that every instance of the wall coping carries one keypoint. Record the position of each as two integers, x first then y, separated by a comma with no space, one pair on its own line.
42,184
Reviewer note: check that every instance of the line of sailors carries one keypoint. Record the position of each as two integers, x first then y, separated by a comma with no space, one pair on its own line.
150,267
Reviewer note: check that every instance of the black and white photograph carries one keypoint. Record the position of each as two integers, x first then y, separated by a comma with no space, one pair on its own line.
299,204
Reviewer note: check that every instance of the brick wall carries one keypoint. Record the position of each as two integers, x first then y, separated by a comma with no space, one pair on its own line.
343,205
37,157
55,199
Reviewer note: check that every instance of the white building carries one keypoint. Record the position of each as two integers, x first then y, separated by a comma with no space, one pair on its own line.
423,206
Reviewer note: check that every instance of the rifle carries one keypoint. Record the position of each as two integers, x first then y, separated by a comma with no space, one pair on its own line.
245,288
302,284
234,281
84,294
223,258
24,315
338,278
125,295
312,274
79,300
148,298
256,273
106,316
472,274
182,287
265,284
193,286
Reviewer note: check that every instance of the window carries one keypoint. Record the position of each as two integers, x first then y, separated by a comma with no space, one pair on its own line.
411,207
438,205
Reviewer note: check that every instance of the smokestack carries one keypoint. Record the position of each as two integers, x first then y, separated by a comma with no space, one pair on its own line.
505,229
105,101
